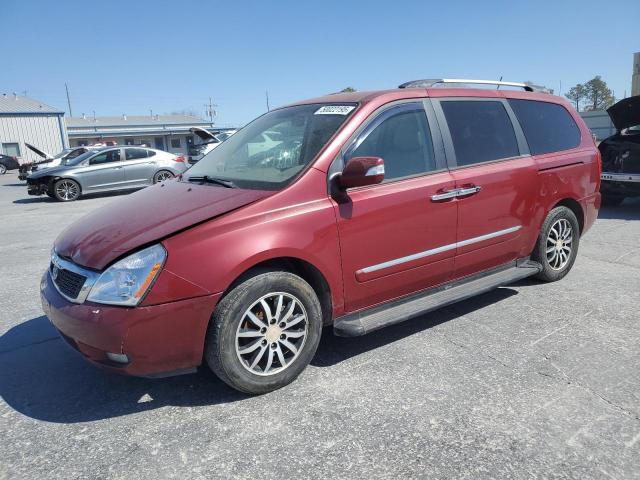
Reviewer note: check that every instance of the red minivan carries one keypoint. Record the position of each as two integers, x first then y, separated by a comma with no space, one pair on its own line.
360,210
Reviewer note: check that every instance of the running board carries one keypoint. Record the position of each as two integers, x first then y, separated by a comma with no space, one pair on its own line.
397,311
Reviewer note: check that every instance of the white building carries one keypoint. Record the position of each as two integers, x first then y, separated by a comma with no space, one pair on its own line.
164,132
24,119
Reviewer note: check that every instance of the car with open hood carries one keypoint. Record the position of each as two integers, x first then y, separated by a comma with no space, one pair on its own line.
50,161
105,169
209,139
361,211
621,153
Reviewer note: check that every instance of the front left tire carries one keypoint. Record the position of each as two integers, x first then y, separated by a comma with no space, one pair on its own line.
3,169
66,190
264,332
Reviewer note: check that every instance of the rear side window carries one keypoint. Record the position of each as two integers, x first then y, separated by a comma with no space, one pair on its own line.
481,131
135,153
547,126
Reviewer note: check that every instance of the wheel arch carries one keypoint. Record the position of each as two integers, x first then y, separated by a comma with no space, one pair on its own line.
575,207
304,269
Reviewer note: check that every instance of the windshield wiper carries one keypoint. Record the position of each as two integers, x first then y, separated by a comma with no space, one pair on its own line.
208,179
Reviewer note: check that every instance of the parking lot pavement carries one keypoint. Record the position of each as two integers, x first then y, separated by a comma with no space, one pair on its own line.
532,380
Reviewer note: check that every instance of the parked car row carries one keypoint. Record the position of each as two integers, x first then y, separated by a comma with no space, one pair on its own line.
368,209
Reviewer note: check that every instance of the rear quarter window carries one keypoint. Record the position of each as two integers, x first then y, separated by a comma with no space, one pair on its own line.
548,127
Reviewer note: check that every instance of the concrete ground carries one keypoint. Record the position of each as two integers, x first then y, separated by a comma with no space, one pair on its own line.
530,381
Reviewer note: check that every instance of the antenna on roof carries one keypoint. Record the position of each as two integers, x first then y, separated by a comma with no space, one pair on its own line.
68,99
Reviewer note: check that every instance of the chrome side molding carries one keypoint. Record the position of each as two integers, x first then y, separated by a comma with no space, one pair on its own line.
434,251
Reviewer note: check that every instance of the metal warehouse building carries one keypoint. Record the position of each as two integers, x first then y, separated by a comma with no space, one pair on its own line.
24,119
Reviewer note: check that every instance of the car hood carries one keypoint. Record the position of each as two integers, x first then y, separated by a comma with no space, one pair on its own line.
202,133
44,171
625,113
147,216
37,151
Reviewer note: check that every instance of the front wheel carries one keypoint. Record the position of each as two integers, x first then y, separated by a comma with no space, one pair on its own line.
3,169
66,190
557,245
264,332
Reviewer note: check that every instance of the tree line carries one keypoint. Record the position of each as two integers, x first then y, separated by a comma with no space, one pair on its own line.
592,95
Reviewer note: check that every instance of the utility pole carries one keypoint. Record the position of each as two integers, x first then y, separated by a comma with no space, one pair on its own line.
210,111
68,100
266,92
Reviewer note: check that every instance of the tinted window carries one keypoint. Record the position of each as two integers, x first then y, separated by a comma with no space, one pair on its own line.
105,157
481,131
547,126
150,153
402,140
134,153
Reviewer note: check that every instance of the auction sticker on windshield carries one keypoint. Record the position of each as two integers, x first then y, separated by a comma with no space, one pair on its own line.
334,110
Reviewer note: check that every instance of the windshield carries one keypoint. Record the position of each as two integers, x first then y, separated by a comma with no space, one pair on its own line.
272,150
79,158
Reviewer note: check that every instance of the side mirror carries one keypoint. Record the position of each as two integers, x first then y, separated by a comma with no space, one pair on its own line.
362,171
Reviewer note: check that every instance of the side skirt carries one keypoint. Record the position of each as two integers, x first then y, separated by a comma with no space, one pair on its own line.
397,311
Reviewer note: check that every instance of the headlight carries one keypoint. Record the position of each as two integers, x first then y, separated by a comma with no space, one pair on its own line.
126,282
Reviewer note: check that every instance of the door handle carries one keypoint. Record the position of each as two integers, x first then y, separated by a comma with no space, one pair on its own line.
446,195
464,192
117,168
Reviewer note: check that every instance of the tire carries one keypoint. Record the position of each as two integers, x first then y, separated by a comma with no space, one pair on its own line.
612,200
162,175
66,190
560,231
3,169
225,350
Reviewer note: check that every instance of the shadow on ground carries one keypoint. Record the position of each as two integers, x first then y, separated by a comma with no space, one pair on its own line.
47,199
41,377
627,210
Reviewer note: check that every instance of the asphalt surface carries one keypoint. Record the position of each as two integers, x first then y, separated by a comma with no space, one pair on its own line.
529,381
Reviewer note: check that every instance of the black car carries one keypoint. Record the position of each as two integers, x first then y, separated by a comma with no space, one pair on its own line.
7,163
621,153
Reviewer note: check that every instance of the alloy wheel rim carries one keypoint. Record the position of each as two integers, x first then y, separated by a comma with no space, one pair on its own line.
271,334
559,244
3,169
162,176
67,190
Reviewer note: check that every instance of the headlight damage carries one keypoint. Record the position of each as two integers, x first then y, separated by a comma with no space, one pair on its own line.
128,280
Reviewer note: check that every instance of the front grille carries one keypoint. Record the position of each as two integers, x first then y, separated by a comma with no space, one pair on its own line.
69,283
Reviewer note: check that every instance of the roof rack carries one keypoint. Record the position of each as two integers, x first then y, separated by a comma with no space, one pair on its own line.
428,83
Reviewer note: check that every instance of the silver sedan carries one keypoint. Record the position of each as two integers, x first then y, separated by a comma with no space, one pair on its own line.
105,170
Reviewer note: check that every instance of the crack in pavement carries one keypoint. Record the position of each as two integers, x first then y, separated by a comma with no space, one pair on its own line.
2,352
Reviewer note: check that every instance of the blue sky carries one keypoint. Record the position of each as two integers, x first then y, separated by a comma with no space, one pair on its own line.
132,56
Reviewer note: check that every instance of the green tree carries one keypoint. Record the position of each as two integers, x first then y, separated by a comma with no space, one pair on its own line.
577,95
348,90
598,95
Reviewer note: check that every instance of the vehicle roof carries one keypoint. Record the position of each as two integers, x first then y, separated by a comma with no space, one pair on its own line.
384,96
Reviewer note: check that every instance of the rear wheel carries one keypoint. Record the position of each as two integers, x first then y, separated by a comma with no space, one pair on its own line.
66,190
264,333
3,169
557,245
612,200
162,175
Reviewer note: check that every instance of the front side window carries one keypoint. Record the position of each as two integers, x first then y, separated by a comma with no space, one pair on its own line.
548,126
400,137
135,153
106,157
481,131
272,150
